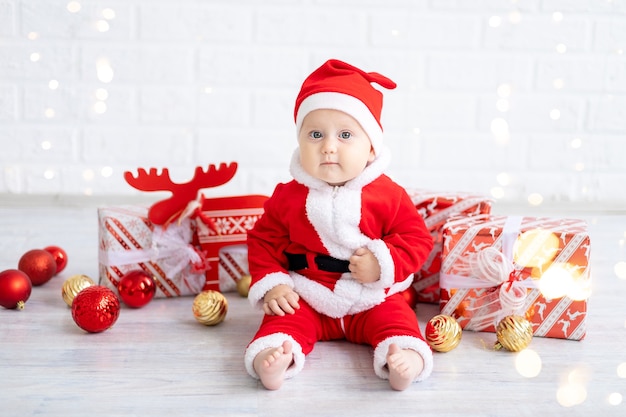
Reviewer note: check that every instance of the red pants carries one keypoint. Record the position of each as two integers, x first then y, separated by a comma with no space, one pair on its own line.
394,317
393,321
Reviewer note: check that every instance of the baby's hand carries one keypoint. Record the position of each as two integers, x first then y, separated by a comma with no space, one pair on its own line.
364,266
280,300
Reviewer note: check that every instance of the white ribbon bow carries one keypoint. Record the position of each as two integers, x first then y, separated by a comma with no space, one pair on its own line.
170,248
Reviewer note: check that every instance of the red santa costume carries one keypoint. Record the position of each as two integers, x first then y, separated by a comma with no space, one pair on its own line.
310,229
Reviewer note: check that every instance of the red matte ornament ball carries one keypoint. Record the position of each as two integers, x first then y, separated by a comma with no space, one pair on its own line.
59,255
39,265
15,288
95,309
136,288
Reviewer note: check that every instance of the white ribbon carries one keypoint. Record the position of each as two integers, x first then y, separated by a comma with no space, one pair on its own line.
170,249
490,268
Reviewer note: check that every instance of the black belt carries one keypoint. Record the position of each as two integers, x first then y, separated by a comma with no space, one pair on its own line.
323,262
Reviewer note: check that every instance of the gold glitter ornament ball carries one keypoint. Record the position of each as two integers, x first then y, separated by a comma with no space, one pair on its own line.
210,307
243,285
443,333
73,285
514,333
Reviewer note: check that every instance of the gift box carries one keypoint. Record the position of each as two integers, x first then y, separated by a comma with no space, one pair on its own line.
233,265
219,222
225,222
128,240
436,208
538,268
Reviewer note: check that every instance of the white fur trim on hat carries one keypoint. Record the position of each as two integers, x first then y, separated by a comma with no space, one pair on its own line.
273,341
403,342
347,104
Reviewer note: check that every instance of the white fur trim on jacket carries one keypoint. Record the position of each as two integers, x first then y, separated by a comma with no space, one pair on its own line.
273,341
348,297
403,342
260,288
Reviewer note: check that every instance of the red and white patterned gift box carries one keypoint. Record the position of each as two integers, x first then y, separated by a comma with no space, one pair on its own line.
436,208
233,265
224,222
128,241
493,266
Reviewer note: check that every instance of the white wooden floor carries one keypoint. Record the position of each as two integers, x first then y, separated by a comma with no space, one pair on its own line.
158,361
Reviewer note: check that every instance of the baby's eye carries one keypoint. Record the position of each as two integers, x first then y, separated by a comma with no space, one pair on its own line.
345,135
316,134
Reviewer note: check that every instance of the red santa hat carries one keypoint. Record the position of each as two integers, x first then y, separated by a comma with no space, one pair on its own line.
340,86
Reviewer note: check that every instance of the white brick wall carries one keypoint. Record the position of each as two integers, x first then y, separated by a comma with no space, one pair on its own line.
205,81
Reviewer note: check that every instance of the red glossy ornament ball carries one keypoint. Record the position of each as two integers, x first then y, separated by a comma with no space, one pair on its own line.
59,256
39,265
15,288
95,309
136,288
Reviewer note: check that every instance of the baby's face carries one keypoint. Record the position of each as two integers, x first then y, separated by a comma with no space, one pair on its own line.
333,146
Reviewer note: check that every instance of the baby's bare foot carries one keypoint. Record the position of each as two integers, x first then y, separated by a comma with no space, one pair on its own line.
272,363
404,366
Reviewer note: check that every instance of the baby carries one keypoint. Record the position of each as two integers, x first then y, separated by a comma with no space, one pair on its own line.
338,244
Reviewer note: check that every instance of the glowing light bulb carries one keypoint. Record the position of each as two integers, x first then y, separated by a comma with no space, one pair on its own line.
535,199
504,90
104,70
108,13
495,21
569,395
528,363
503,178
555,114
502,105
88,175
500,130
497,192
515,17
102,94
106,172
615,398
620,271
73,6
558,83
102,26
100,107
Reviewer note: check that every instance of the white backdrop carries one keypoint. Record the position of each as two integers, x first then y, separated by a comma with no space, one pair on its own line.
522,100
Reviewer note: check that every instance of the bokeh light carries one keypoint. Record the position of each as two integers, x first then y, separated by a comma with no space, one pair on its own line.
528,363
620,269
535,199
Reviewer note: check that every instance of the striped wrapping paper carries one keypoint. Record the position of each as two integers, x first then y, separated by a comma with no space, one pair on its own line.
550,261
436,208
233,264
128,241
